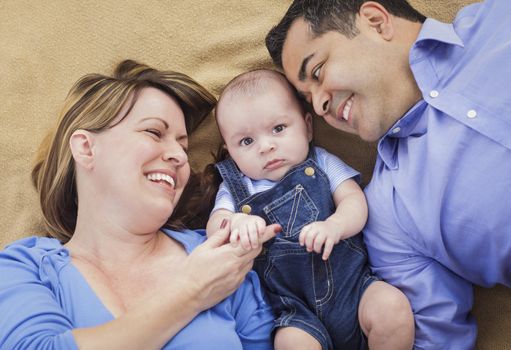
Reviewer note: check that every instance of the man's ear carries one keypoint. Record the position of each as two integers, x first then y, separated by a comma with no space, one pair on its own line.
82,148
377,18
308,123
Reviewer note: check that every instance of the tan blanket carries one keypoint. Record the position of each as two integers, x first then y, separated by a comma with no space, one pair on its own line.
47,45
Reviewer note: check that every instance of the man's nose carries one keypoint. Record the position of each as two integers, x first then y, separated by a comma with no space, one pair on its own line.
320,102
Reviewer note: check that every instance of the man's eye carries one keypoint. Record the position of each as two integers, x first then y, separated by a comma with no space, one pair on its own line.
154,132
246,141
278,128
316,72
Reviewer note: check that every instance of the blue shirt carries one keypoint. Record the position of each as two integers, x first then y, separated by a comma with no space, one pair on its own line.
43,297
440,196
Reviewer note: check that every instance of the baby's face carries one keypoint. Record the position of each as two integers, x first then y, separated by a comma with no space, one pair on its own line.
265,132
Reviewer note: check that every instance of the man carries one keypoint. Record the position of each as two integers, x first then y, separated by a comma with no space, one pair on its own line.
437,98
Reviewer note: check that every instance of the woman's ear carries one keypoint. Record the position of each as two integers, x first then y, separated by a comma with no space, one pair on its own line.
82,144
308,123
377,18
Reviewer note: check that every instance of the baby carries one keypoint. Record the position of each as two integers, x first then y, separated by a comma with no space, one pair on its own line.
315,271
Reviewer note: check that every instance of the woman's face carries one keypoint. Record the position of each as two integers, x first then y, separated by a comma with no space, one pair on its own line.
140,164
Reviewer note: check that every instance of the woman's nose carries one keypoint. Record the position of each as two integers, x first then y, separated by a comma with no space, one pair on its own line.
176,154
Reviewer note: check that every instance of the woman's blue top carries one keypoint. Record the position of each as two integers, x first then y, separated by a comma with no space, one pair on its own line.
43,297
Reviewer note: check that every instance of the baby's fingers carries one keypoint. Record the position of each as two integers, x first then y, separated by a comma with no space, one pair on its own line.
303,235
309,239
245,238
235,236
260,225
329,246
319,241
253,235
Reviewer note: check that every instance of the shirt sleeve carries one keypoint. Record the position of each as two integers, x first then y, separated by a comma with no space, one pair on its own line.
31,316
254,319
336,170
224,199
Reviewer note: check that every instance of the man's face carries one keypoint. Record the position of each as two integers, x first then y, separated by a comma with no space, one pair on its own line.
351,83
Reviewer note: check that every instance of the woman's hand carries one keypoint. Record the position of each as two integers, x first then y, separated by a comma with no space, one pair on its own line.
216,268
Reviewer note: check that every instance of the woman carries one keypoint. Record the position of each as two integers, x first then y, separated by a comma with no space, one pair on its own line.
108,178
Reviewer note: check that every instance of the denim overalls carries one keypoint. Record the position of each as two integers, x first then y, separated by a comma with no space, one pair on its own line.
319,297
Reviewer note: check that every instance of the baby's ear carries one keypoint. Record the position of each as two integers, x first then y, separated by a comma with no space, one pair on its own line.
81,143
308,122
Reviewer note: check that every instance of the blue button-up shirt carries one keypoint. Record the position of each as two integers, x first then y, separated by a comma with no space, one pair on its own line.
440,196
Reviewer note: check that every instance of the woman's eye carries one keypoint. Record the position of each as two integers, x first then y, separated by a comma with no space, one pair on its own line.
246,141
316,72
279,128
154,132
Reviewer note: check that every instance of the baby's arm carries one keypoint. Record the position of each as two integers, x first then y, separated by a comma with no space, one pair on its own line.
348,219
248,229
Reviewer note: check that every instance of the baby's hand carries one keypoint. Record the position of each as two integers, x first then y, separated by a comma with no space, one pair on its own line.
248,229
318,234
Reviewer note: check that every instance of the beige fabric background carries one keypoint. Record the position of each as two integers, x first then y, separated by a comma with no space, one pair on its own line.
45,46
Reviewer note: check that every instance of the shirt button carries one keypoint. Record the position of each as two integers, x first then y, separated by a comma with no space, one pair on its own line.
472,114
396,130
309,171
246,209
433,93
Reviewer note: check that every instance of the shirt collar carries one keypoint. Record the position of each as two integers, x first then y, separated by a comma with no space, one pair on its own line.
438,31
411,124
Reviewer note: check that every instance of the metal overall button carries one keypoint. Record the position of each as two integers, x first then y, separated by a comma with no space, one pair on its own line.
247,209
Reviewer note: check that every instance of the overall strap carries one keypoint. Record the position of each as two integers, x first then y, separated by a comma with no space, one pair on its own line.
233,179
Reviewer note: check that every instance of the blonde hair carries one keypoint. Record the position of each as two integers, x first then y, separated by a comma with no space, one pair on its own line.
92,104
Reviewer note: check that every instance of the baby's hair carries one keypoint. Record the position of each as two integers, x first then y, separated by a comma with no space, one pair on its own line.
256,81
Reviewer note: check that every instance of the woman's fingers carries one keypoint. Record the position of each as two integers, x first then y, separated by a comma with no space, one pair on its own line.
220,237
270,231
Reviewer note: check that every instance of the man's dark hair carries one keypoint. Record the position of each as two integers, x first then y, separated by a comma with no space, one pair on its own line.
330,15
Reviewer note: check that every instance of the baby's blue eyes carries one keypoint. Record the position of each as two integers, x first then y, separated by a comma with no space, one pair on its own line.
246,141
278,128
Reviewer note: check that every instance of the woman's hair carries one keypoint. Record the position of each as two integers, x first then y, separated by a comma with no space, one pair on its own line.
92,104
